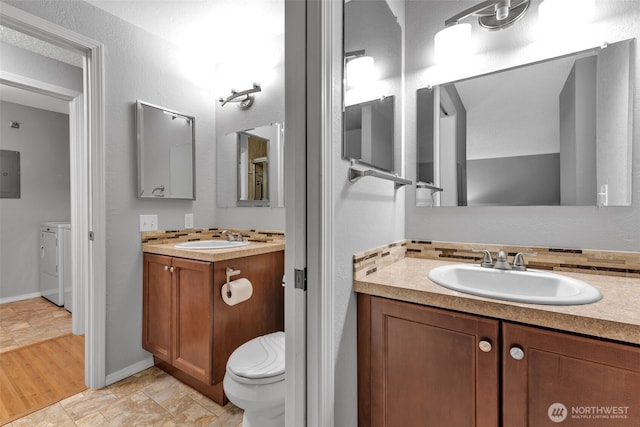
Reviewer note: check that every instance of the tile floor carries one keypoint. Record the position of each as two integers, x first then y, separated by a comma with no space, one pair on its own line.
149,398
30,321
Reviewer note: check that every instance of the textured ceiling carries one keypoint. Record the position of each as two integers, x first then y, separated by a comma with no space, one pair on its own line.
38,46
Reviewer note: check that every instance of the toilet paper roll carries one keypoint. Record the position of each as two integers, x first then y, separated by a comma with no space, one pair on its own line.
241,290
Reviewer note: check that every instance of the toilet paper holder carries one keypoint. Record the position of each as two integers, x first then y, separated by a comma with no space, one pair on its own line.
230,271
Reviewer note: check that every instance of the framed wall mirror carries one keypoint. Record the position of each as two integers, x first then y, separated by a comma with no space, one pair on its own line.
166,153
250,167
372,84
555,132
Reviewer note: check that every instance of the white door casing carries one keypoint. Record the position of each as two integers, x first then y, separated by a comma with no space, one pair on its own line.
87,186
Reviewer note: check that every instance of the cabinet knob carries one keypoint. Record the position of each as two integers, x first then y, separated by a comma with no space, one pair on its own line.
485,345
166,267
171,269
516,352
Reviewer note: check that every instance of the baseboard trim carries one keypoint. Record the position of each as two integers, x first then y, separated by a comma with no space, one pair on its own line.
129,370
20,297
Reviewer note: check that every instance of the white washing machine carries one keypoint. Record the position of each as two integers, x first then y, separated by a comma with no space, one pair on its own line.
55,260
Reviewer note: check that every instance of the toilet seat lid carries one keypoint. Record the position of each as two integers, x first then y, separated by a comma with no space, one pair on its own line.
259,359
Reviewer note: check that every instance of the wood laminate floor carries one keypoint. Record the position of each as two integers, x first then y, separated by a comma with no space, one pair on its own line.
149,398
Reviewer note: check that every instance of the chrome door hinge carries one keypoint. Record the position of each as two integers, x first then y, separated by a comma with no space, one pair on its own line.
300,278
91,236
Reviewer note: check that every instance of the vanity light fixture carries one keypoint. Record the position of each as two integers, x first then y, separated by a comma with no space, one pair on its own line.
360,69
244,98
454,41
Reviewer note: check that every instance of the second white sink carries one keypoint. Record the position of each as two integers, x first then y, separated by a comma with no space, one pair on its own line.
209,244
531,286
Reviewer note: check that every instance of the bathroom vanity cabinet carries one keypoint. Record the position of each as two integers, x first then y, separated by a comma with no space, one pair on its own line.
419,365
188,327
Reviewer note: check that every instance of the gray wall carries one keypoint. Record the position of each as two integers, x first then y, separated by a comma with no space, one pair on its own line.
268,108
141,66
521,180
367,214
43,143
613,228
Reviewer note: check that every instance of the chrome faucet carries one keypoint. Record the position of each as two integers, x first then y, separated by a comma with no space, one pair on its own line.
487,261
502,262
231,236
518,260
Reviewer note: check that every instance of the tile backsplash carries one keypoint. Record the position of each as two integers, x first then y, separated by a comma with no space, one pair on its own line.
624,264
188,235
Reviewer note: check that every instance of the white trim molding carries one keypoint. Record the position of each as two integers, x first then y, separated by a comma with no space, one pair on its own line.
129,370
88,211
20,297
324,33
330,29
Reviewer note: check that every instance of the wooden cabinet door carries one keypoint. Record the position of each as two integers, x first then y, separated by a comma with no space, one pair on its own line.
193,314
568,380
261,314
157,306
423,366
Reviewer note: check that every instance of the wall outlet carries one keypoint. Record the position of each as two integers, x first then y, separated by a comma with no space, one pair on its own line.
148,222
188,220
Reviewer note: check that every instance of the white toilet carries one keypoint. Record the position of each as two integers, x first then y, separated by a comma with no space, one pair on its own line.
254,380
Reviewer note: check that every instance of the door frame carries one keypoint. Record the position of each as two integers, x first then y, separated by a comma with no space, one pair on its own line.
311,74
295,215
88,190
76,117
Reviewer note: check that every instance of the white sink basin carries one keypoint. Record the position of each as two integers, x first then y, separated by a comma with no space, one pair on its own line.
210,244
531,286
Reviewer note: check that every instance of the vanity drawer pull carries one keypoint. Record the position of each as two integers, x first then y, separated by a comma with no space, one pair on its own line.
485,346
516,352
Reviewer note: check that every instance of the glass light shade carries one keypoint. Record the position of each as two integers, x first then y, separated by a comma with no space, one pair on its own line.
566,13
452,43
360,71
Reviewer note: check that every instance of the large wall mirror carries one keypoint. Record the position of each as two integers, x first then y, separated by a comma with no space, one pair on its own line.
556,132
373,66
250,167
166,153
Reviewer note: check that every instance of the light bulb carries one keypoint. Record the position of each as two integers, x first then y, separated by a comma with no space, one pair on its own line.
452,43
360,71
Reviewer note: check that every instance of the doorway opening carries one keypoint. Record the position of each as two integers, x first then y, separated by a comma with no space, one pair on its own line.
87,176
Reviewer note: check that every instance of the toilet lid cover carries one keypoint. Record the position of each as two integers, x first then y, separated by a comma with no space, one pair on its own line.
261,357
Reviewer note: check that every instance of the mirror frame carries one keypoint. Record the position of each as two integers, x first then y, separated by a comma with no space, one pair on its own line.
141,143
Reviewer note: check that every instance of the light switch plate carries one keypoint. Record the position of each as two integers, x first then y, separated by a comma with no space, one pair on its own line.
148,222
188,220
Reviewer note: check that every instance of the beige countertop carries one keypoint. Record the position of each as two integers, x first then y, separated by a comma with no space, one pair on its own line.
212,255
616,316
